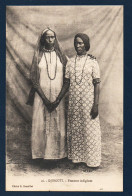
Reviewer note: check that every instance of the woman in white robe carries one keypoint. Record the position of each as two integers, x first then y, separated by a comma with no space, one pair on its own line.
48,121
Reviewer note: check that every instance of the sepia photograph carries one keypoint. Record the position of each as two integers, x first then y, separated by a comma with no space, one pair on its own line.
64,98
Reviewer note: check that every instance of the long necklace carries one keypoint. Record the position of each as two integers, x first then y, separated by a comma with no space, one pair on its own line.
82,70
48,67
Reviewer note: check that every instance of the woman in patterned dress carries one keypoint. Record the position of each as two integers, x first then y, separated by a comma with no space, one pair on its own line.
48,121
83,126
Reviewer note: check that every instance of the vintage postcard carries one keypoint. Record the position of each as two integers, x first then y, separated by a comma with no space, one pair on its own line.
64,98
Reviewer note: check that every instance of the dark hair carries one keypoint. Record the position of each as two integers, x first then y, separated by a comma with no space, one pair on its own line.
85,39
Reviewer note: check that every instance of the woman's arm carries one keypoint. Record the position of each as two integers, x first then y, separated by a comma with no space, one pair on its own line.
63,91
94,111
65,87
96,93
42,95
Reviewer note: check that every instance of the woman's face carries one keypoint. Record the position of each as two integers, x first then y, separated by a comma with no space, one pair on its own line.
79,46
49,38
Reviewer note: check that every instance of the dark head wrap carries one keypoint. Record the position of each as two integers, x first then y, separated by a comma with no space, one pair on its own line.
85,39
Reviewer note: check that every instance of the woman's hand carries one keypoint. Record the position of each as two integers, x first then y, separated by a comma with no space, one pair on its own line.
94,112
52,106
47,103
55,104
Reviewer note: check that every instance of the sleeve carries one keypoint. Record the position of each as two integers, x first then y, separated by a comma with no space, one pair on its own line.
67,72
96,72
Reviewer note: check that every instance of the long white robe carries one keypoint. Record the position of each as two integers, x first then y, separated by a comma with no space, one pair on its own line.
48,129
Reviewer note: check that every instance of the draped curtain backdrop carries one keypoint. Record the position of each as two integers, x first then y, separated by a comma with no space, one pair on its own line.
103,24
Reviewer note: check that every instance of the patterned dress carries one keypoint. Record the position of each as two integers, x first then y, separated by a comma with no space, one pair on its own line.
83,134
48,129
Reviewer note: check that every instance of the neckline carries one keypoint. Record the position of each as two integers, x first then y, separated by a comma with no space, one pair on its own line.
81,56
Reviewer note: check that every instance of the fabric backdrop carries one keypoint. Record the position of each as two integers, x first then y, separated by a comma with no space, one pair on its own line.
103,24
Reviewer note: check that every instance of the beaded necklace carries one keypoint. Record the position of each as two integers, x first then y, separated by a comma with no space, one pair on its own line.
48,67
46,50
82,70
